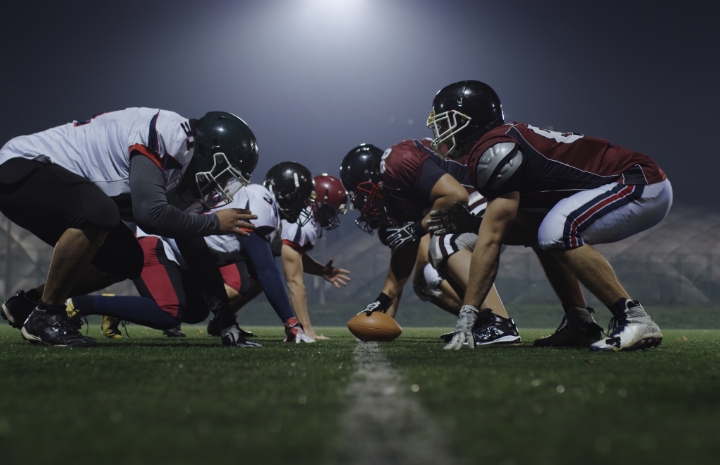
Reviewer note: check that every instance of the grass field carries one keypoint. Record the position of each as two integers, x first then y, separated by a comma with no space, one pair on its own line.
150,399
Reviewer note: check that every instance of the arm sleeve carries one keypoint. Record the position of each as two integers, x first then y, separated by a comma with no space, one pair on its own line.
151,209
260,255
430,174
207,277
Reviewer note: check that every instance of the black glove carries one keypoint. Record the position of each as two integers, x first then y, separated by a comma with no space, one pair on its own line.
400,236
457,220
381,304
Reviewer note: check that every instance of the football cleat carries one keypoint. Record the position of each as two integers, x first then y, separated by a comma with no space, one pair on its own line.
447,337
577,329
494,329
174,332
74,316
233,336
632,330
111,327
17,309
213,329
57,330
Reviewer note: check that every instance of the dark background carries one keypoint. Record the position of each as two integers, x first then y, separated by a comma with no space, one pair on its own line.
313,78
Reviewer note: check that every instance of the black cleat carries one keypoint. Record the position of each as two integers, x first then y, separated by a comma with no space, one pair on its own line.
213,329
233,336
494,329
174,332
57,330
17,309
447,337
577,329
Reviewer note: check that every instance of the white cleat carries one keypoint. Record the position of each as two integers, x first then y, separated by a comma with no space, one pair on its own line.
632,331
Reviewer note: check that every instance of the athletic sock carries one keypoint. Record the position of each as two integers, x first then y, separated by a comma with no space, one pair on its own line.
619,307
138,310
50,309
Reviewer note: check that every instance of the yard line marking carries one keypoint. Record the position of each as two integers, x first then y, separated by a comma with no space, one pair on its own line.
384,423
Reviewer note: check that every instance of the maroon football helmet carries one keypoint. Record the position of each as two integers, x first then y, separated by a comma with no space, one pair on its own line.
331,200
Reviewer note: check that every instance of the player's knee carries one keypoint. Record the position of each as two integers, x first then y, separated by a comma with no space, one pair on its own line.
100,212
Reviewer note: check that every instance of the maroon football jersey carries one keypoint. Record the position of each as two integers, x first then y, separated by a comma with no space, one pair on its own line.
409,170
558,164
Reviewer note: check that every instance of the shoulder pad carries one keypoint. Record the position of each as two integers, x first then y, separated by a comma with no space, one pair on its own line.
497,164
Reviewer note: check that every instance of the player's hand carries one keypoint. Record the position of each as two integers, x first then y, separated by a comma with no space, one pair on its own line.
235,221
457,220
401,236
463,328
294,332
335,276
318,337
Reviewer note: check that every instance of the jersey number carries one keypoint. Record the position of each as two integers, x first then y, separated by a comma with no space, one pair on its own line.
382,160
562,137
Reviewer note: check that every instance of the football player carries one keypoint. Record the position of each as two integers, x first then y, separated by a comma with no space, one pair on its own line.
72,186
299,199
393,191
591,191
169,294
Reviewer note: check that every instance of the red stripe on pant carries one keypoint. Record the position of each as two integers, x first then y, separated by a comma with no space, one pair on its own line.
156,278
231,276
588,213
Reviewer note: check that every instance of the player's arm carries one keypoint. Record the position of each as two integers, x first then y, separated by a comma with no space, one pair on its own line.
293,261
153,213
485,261
484,264
335,276
446,192
402,263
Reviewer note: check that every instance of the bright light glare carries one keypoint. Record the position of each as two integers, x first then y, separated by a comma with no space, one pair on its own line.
334,7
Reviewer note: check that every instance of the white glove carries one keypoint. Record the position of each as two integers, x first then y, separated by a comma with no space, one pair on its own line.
463,328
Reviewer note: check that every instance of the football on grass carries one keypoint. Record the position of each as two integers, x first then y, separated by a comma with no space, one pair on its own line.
378,326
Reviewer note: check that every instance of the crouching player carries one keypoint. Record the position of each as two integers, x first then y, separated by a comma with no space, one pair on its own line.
301,200
393,192
73,185
593,192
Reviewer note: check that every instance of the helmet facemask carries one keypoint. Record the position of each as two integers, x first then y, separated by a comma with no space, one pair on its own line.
444,127
368,199
327,216
222,179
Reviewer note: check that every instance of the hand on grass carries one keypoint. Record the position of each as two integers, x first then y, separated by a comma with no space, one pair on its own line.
463,329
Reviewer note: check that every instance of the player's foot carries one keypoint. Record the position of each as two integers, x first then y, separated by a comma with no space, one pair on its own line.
74,316
174,332
630,331
17,309
494,329
577,329
233,336
111,327
213,329
58,330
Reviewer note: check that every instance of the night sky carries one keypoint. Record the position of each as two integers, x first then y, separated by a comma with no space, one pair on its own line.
314,78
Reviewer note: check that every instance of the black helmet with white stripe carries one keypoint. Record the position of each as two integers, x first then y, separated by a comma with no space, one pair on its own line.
293,186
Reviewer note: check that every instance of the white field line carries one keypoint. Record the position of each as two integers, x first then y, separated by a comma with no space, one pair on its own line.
384,423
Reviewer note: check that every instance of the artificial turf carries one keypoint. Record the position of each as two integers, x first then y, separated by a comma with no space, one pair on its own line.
149,399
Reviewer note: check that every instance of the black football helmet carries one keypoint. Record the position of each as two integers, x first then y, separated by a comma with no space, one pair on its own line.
225,155
360,174
462,112
294,189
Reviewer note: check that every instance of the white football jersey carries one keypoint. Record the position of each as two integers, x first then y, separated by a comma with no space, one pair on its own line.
300,238
260,202
228,247
99,149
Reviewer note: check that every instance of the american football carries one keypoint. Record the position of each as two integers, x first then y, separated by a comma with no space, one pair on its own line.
378,326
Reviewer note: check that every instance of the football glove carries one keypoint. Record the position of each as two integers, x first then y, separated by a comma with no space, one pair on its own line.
381,304
401,236
463,328
294,332
457,220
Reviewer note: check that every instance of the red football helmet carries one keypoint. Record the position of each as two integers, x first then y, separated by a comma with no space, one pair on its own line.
331,200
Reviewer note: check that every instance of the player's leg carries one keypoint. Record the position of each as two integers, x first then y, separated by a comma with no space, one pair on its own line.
451,254
75,216
607,214
240,289
578,327
427,282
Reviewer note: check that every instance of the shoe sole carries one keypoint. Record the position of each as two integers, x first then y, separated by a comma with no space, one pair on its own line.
505,340
643,344
537,343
